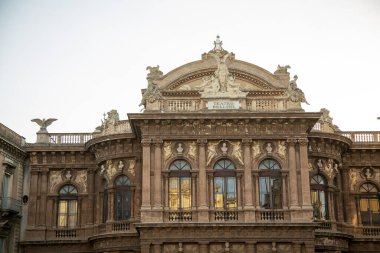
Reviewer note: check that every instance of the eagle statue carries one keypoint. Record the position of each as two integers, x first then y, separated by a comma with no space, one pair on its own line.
43,123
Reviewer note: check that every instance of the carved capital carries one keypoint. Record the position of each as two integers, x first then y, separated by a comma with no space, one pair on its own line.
202,142
158,142
291,141
246,142
303,141
146,142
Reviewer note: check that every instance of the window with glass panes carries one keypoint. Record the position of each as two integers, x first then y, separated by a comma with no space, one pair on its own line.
179,185
369,205
318,197
67,206
123,196
225,196
270,184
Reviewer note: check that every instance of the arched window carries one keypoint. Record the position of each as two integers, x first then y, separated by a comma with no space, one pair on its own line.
179,185
225,196
270,184
123,196
67,206
318,197
369,205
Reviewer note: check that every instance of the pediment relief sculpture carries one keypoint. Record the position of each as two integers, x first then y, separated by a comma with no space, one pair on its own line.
152,93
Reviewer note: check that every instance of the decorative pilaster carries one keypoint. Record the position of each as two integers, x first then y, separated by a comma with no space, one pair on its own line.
202,205
43,192
247,174
90,204
146,174
157,174
305,181
292,173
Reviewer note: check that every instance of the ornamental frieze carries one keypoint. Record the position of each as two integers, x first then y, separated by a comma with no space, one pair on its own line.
58,177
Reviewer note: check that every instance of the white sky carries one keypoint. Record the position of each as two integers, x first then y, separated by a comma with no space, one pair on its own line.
74,60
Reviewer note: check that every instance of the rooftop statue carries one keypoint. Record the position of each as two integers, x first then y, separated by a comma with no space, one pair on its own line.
222,82
152,93
282,70
43,123
295,94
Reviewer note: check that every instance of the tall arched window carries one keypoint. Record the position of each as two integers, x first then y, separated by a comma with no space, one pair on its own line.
270,184
225,196
67,206
123,196
318,189
369,205
179,185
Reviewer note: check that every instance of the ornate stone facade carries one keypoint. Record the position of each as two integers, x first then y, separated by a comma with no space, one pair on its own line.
223,159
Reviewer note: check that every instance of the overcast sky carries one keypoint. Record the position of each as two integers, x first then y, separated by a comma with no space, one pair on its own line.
74,60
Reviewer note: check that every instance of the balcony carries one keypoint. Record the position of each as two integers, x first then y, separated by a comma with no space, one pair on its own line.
9,205
226,215
180,216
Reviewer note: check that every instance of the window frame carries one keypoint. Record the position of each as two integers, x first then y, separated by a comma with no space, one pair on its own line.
124,191
270,173
181,172
70,198
225,172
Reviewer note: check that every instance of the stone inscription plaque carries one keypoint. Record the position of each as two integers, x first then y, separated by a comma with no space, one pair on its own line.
223,105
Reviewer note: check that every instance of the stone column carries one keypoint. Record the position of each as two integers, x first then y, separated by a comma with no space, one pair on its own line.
247,174
202,205
348,214
203,247
111,206
90,205
157,174
292,174
157,248
297,248
145,247
43,192
257,191
146,175
305,181
250,247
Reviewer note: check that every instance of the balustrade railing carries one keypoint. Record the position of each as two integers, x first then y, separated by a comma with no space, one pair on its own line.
272,215
66,233
120,226
371,231
180,216
69,138
325,225
226,215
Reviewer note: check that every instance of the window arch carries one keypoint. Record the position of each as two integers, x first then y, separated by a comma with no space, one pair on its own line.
270,184
179,185
318,190
123,197
67,206
369,205
225,196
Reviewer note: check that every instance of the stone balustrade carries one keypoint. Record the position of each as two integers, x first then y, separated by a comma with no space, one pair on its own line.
69,138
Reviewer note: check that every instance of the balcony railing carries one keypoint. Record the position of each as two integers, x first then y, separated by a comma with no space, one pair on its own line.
66,233
362,137
226,215
118,226
10,204
371,231
272,215
69,138
180,216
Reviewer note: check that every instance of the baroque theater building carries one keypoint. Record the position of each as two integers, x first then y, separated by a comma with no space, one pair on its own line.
222,159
